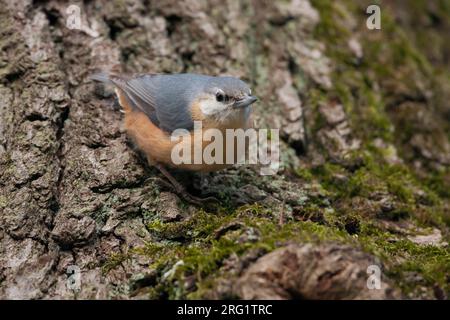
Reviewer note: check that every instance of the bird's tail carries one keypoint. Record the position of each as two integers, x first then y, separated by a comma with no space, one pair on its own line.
101,77
110,78
119,82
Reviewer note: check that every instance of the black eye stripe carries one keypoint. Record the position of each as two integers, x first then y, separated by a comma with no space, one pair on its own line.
220,97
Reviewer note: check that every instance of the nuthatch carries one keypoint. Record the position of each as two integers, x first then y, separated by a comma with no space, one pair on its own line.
155,105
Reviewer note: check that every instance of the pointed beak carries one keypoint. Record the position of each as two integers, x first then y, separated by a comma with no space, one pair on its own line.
246,101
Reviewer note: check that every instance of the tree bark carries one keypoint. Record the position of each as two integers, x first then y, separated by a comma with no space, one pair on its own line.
365,150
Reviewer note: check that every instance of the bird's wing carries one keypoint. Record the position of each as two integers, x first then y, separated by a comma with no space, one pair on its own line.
161,97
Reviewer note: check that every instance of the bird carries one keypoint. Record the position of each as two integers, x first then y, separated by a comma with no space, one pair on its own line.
156,106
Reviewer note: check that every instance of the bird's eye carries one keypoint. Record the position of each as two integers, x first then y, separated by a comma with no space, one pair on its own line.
220,97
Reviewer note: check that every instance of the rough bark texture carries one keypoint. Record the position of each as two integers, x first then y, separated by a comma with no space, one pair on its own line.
311,272
365,179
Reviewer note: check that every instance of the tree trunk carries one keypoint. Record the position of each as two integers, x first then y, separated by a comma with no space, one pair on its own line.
365,152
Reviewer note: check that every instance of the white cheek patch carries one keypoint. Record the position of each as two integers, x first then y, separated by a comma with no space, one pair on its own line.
210,107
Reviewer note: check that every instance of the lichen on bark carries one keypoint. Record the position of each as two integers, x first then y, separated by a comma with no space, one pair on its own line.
365,152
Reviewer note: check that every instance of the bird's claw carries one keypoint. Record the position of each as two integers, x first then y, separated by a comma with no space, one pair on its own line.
187,196
200,201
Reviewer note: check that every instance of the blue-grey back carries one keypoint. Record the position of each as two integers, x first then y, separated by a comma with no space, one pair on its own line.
166,98
173,95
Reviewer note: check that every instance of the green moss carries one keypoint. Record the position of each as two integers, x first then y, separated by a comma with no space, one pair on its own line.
205,252
402,257
440,183
304,173
203,258
372,178
199,225
114,260
253,210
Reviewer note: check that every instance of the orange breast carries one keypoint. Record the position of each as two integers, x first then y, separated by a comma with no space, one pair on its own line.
157,145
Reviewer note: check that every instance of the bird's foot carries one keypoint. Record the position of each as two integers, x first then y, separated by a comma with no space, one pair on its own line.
181,191
196,200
